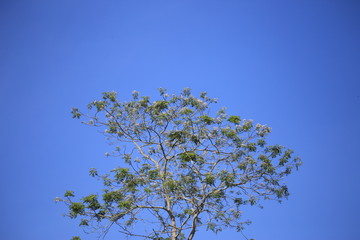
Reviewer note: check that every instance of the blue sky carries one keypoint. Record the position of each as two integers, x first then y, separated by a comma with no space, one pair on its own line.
294,65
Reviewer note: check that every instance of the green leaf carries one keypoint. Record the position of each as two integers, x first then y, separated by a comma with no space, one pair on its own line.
230,133
69,194
93,172
234,119
172,185
238,201
206,119
121,173
76,208
191,156
261,142
161,105
177,136
247,126
113,196
92,202
75,113
110,96
84,222
124,205
186,91
209,178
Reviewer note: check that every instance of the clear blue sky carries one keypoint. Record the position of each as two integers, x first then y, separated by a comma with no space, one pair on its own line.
294,65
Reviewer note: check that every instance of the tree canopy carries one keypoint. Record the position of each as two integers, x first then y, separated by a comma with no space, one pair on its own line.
184,167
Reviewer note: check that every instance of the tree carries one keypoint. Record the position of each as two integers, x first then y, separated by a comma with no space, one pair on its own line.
182,167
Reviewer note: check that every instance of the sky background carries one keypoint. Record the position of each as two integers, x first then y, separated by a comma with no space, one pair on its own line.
294,65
